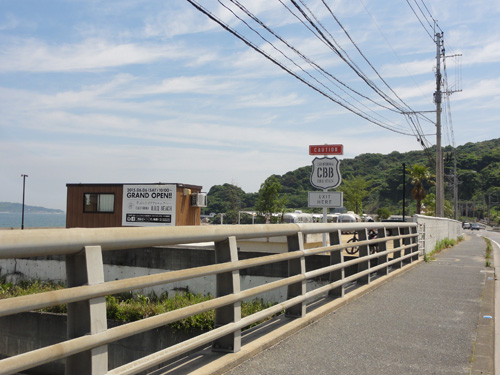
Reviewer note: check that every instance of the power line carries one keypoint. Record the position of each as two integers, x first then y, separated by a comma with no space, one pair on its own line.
293,62
366,59
427,9
322,38
283,67
339,54
322,34
395,54
322,71
416,129
419,20
423,14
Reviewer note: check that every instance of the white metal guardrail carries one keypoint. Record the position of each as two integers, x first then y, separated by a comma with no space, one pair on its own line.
85,349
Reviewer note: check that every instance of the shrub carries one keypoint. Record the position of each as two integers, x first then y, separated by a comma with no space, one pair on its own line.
129,307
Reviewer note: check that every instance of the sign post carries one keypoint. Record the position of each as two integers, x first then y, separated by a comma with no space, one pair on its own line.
325,175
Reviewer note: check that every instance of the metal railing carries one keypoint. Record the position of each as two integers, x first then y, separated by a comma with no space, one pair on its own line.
85,349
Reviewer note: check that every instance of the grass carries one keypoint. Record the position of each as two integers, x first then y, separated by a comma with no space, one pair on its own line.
489,249
129,307
441,245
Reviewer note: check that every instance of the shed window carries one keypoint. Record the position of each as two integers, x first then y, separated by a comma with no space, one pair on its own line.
95,202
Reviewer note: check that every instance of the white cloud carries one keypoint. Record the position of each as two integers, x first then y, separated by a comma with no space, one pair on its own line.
91,54
486,88
274,101
411,68
487,53
209,85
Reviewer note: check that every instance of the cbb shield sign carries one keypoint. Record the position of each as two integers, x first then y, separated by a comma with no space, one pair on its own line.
325,173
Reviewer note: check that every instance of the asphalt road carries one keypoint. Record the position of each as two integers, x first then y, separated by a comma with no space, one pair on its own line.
422,322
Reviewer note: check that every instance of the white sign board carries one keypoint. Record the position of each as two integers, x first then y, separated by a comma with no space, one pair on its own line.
325,199
325,173
149,205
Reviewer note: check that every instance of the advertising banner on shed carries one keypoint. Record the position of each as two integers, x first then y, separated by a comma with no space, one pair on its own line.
149,205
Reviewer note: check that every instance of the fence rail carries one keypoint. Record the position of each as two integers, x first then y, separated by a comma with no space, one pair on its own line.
85,349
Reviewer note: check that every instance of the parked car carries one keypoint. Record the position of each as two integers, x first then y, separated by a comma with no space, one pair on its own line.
475,226
466,226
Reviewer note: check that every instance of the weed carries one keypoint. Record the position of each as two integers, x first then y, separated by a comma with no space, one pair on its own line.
489,249
129,307
440,245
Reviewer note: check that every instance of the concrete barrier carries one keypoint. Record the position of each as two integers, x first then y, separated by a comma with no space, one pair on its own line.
437,229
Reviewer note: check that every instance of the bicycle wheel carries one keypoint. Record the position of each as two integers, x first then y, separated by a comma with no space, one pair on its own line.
352,249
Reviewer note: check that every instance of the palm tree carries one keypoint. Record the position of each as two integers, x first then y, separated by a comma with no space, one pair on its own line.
419,174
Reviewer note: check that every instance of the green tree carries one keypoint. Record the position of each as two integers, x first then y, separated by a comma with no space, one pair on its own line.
383,213
227,199
268,201
429,203
419,174
356,190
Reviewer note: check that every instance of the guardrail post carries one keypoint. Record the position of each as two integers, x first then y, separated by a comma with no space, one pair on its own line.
382,246
407,241
363,252
86,317
336,257
414,240
421,239
296,267
396,244
227,283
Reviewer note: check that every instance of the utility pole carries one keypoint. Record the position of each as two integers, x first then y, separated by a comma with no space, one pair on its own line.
439,151
404,190
455,185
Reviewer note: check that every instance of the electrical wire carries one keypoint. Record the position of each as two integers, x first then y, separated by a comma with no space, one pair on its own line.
322,71
283,67
427,9
294,63
322,34
366,59
419,20
358,72
395,54
402,110
423,14
414,121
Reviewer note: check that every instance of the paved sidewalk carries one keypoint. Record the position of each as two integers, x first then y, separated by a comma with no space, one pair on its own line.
425,321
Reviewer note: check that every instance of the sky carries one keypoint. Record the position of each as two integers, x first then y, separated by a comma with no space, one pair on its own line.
142,92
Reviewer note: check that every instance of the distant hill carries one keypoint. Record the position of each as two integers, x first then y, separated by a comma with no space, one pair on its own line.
18,207
478,170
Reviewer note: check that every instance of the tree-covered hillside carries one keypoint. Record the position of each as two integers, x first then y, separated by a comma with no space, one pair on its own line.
478,171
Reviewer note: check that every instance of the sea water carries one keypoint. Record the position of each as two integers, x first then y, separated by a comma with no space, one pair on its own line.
32,220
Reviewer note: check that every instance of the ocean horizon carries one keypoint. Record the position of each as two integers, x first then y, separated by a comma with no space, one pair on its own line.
32,220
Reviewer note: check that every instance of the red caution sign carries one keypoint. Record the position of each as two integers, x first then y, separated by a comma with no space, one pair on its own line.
326,149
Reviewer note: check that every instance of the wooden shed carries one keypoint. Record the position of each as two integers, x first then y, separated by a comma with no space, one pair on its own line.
118,205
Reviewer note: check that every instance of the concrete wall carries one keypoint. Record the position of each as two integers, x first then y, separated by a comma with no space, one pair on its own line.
43,329
437,229
140,262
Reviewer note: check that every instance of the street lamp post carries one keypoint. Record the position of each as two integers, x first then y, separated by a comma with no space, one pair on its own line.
24,189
